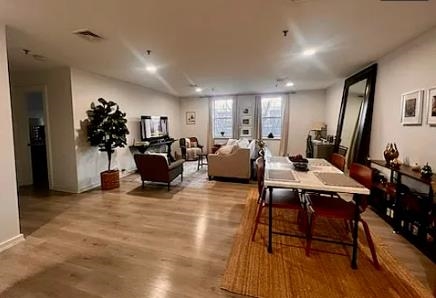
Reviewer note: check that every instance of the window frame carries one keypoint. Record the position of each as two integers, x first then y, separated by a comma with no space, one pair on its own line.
272,117
232,100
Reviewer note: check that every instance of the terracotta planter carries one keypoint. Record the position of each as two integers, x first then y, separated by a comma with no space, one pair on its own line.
110,179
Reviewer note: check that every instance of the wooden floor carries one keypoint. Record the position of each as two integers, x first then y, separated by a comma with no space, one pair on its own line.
408,255
132,242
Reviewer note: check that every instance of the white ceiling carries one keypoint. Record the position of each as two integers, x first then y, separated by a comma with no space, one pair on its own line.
233,46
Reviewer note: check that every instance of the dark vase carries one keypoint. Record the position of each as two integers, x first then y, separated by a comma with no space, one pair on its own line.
426,171
390,153
262,152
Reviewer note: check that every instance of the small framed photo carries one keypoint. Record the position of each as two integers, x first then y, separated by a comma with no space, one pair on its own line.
246,111
246,121
245,132
190,118
411,112
432,106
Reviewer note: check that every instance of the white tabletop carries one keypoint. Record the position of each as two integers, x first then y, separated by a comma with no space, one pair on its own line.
306,180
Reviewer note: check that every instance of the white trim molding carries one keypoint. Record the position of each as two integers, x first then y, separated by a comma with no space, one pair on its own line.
11,242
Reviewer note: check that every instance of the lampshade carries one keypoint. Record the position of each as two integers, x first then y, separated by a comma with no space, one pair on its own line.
318,125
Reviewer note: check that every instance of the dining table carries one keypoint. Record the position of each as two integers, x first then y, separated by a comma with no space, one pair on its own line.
320,176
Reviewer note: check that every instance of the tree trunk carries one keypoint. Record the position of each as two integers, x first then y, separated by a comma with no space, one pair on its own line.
109,156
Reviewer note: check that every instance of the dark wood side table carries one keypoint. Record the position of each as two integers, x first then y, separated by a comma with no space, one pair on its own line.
411,213
202,160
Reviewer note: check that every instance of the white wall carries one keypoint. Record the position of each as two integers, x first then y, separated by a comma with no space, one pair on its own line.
305,108
201,108
59,126
9,224
410,67
134,100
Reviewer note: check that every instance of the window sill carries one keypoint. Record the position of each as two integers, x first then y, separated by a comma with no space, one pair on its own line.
271,139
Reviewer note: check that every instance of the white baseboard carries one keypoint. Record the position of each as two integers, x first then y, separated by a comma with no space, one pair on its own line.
11,242
96,185
128,172
88,187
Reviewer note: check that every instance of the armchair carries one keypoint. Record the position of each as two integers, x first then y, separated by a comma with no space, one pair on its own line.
155,168
190,148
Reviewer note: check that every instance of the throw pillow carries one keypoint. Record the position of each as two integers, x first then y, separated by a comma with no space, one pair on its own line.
225,150
164,155
231,142
243,143
235,148
187,143
252,147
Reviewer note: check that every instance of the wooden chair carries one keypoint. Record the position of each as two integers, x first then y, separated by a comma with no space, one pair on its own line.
338,161
282,198
336,207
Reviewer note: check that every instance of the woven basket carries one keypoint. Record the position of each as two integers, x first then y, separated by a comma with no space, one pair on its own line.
110,179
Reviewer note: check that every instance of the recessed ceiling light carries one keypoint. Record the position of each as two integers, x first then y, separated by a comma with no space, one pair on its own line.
309,52
289,84
198,89
151,69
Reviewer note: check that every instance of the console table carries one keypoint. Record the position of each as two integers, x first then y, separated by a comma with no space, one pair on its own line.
154,145
410,213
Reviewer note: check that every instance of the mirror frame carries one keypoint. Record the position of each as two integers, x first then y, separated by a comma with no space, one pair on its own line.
364,125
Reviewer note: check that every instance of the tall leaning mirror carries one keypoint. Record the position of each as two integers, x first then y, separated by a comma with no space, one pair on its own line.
354,123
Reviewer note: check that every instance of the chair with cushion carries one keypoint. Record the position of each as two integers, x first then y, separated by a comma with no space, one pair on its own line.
190,148
155,168
282,198
336,207
338,161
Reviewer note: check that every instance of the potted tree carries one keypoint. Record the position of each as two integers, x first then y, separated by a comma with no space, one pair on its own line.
107,130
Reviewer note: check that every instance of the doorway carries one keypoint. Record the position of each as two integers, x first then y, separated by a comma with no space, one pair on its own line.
31,136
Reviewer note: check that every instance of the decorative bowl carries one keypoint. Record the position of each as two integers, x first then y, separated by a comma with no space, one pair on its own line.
300,165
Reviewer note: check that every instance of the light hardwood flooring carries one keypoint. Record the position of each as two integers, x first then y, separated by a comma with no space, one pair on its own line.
132,242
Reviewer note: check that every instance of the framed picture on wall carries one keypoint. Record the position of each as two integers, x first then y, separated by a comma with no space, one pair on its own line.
411,112
432,106
190,118
246,111
246,121
245,132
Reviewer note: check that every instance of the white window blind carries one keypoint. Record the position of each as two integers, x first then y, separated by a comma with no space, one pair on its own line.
223,118
271,116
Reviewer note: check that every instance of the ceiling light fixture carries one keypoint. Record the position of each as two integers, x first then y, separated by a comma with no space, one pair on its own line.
289,84
198,89
88,35
309,52
151,69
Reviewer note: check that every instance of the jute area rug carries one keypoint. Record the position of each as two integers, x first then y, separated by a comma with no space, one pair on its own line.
288,272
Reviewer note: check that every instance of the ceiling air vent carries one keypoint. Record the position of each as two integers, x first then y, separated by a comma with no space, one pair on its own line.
88,35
